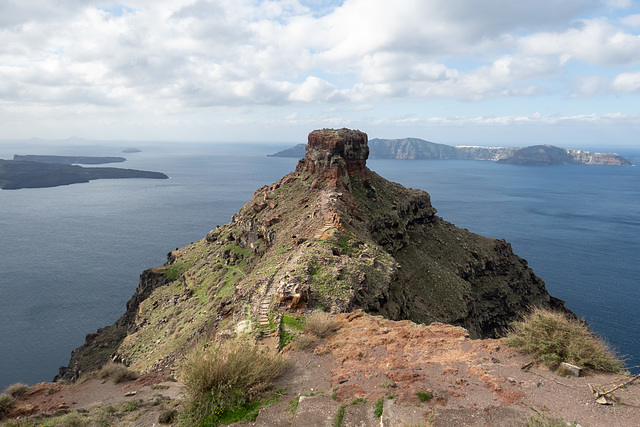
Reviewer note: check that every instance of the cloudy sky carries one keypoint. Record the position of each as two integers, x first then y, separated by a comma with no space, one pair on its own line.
485,72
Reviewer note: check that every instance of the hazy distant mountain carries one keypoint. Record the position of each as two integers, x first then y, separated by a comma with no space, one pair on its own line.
414,148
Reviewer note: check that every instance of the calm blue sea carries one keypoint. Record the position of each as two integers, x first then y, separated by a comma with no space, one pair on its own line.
70,256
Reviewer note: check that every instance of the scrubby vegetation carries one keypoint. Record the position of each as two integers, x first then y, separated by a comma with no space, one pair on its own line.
16,389
543,419
222,383
117,373
6,402
551,338
321,324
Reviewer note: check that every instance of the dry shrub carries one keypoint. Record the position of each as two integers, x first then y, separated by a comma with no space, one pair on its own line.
117,373
321,324
226,376
304,342
16,389
551,338
6,402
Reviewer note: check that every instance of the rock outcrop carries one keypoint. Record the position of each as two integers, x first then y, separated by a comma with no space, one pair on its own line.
331,235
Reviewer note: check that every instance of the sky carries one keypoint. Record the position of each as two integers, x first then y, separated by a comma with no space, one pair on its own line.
466,72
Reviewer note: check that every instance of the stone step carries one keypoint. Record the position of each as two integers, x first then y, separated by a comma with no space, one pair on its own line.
317,411
362,415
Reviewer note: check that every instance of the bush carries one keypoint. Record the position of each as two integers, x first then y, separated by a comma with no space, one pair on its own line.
16,389
168,417
551,338
321,324
117,373
6,402
226,377
304,342
72,419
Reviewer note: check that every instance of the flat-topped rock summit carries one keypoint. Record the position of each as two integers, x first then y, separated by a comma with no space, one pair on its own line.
332,235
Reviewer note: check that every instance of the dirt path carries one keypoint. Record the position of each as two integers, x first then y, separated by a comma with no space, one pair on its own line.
472,383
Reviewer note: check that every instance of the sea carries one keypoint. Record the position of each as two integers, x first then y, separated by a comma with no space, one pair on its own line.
71,256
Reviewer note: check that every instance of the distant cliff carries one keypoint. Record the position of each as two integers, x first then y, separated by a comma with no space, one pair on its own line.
331,235
414,148
543,155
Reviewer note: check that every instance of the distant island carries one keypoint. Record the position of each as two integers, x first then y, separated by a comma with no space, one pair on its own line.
132,150
53,171
535,155
69,160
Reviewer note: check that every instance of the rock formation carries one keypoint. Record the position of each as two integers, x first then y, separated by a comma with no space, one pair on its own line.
331,235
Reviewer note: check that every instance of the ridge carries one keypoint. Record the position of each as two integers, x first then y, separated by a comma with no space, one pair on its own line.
332,235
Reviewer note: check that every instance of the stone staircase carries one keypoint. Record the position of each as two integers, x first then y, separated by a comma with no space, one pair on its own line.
327,226
263,313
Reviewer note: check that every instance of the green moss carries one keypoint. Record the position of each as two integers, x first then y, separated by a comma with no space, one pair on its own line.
295,323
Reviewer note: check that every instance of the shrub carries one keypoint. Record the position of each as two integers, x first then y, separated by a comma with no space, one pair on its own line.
551,338
321,324
304,342
168,417
117,373
131,406
72,419
225,377
104,416
6,402
16,389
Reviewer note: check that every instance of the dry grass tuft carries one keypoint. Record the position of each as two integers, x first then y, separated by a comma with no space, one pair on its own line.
551,338
321,324
226,376
6,402
117,373
16,389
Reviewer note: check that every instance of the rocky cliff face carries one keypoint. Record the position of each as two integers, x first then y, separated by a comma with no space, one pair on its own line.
331,235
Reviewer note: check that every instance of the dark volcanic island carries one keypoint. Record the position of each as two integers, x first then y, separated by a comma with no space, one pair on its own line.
331,235
33,171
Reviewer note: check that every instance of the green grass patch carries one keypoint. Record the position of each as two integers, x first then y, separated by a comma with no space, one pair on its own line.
294,323
173,271
285,338
337,422
359,401
293,404
551,338
424,396
378,407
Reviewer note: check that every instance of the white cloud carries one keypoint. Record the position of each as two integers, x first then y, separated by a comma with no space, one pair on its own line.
131,58
627,82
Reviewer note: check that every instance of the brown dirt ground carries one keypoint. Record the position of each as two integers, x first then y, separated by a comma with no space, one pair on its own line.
474,382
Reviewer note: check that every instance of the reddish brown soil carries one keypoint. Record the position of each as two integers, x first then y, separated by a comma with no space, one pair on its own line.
473,382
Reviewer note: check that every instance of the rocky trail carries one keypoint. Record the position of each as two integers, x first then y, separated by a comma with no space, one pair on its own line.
379,372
